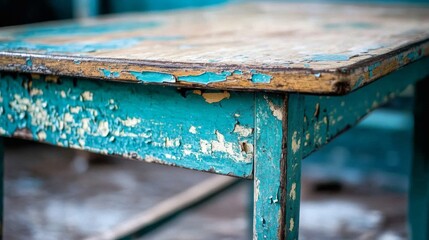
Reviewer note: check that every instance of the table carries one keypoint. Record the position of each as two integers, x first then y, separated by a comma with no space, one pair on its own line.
246,90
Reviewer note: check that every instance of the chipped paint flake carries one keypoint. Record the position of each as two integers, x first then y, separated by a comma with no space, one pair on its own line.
193,130
36,91
130,122
87,96
242,130
276,110
216,97
103,128
41,135
292,193
296,143
291,224
172,142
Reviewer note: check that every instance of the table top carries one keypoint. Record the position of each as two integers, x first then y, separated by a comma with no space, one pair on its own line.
290,47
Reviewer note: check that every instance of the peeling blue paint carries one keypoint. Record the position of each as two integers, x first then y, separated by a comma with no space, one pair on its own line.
358,82
260,77
238,72
153,77
206,78
109,74
80,29
329,57
76,61
82,47
28,62
132,120
317,75
371,69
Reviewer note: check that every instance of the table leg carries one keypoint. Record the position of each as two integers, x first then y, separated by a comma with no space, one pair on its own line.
1,186
277,167
419,182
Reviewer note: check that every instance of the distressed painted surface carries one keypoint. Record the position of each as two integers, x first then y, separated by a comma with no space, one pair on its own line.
419,179
356,44
277,166
1,185
327,116
155,124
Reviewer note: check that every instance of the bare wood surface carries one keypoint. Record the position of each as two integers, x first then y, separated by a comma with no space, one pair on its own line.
314,48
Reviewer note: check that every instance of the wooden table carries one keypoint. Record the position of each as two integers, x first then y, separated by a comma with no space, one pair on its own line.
244,90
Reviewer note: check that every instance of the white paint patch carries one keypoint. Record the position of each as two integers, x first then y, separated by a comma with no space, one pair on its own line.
36,91
276,110
103,128
193,130
243,131
291,224
41,135
172,142
68,117
292,193
87,96
205,147
296,143
130,122
63,94
76,109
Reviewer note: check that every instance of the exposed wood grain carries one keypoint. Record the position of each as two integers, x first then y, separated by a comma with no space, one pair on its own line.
312,48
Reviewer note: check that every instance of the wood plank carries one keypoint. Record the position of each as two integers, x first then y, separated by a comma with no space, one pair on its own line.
418,216
167,209
312,48
327,116
277,165
206,131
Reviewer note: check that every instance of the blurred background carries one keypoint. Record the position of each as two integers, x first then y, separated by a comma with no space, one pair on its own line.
353,188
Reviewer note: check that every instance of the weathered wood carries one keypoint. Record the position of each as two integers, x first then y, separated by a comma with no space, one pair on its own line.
322,48
277,166
419,178
202,130
327,116
167,209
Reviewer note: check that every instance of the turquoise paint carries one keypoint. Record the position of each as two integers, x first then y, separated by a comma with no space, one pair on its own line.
306,65
277,170
109,74
260,77
80,29
358,83
418,205
238,72
326,117
81,47
28,62
206,78
372,67
76,62
329,57
153,77
268,178
136,121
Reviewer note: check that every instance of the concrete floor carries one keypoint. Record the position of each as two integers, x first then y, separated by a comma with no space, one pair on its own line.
48,195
